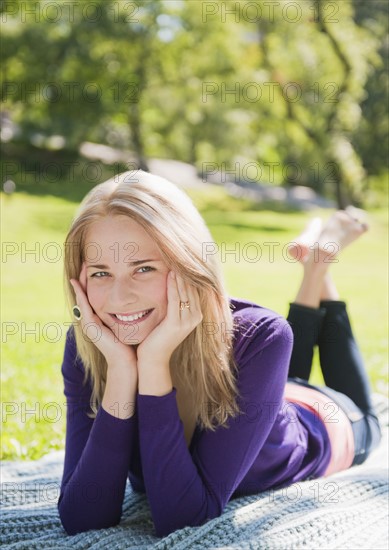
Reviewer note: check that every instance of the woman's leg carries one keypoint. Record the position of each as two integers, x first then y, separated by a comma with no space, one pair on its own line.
340,359
305,317
305,323
315,249
344,371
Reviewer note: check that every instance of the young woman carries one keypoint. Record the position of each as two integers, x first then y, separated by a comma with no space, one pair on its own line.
183,390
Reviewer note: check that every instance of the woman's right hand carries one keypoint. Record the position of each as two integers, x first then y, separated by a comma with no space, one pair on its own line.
114,351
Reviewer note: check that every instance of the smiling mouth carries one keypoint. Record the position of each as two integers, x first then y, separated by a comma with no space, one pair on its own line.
131,318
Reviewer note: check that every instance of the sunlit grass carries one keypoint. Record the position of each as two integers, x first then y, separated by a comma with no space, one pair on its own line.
252,248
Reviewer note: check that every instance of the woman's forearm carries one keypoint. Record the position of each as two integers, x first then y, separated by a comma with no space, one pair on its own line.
92,494
154,377
120,391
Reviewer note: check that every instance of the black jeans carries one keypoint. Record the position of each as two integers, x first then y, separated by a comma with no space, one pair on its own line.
342,366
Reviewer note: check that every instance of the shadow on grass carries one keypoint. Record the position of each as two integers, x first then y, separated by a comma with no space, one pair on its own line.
220,219
67,175
63,174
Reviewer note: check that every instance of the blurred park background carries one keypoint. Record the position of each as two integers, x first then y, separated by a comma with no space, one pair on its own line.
267,113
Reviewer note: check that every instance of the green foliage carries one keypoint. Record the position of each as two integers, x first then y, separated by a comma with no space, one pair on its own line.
374,121
294,91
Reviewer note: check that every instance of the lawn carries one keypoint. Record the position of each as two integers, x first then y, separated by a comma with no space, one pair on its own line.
252,247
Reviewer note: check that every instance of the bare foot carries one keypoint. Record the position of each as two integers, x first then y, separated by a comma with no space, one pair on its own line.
299,248
343,227
358,215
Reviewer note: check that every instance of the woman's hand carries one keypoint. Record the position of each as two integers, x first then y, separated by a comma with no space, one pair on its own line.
159,345
114,351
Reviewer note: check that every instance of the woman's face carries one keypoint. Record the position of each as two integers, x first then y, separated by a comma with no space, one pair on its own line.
126,278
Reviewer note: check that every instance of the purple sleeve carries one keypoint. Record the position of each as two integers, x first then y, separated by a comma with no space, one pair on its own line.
187,489
97,455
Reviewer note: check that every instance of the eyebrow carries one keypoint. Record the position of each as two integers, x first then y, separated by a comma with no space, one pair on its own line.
134,263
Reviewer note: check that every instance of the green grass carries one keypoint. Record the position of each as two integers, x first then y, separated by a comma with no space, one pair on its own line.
33,404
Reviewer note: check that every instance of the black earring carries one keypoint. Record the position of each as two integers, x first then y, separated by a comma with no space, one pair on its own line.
77,313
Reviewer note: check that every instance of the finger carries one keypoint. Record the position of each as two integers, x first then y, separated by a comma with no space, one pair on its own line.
184,297
191,316
81,298
82,278
78,290
173,296
182,289
194,299
189,295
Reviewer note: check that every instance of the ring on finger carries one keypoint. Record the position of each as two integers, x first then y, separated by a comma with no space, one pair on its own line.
184,305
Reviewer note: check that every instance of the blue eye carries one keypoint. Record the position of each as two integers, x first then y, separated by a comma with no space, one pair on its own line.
99,274
148,267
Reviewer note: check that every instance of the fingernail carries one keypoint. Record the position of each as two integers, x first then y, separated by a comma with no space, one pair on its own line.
172,275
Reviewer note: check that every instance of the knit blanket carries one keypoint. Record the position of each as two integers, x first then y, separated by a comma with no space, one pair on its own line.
346,510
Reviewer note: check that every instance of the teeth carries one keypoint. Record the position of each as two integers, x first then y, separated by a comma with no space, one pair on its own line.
129,318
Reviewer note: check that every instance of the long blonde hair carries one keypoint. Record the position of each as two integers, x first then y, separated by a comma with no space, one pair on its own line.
204,361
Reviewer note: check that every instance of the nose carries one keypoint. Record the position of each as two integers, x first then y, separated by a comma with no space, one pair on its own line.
123,294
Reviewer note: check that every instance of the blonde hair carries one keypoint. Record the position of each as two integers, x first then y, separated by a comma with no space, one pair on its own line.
204,361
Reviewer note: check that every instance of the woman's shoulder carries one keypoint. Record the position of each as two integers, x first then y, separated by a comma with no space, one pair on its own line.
72,365
246,310
258,325
76,386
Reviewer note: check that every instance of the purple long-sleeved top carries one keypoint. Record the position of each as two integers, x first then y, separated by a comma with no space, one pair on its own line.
272,443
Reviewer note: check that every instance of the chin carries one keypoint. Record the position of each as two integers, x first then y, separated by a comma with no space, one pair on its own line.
130,339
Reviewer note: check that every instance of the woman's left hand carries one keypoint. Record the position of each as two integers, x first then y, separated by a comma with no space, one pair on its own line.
159,345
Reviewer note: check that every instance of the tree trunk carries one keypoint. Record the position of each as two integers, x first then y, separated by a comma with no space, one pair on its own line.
135,127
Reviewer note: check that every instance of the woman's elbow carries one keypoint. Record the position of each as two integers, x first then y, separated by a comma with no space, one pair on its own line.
79,521
163,529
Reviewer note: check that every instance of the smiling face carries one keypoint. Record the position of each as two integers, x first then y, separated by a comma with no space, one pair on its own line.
126,278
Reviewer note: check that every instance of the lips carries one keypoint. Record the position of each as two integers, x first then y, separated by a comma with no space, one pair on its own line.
130,319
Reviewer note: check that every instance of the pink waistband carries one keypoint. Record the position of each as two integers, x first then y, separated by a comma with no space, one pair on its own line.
337,424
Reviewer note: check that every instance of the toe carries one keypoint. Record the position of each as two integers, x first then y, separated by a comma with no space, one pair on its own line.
357,214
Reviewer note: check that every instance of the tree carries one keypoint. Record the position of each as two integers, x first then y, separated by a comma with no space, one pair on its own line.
324,63
285,92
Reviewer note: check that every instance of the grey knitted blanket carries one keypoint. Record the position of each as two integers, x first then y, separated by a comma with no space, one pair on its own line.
346,510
